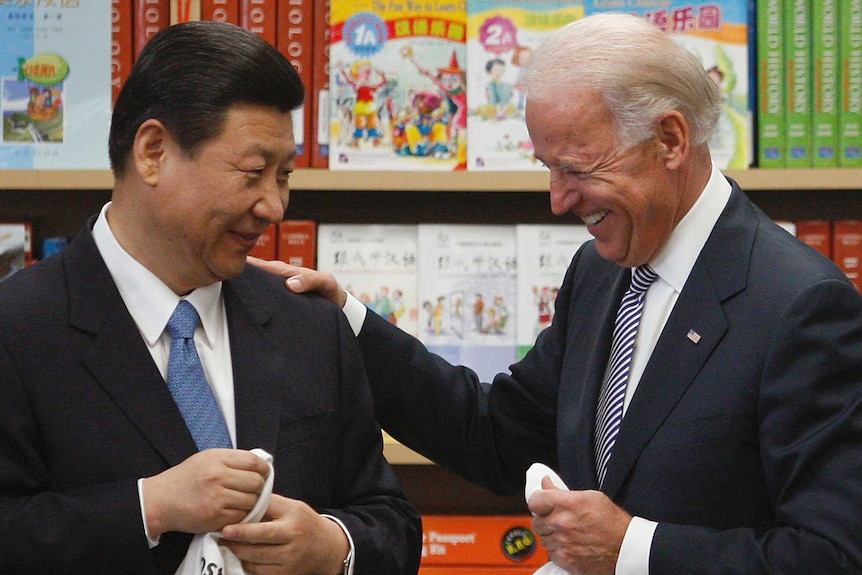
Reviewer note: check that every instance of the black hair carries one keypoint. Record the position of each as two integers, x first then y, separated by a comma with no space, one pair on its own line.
189,75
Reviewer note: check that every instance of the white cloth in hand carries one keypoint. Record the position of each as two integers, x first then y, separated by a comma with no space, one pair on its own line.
535,474
205,555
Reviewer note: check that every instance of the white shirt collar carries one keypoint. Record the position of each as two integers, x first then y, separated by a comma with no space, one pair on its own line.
149,300
675,262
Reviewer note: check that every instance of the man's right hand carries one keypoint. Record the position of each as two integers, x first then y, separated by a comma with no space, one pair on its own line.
210,489
304,280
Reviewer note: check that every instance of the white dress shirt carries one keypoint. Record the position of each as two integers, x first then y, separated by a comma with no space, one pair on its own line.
673,266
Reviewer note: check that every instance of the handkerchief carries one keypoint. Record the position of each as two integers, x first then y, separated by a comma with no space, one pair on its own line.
535,474
205,555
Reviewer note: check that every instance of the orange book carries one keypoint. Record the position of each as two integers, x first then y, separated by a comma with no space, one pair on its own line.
293,33
150,18
266,247
319,93
259,16
122,48
847,248
471,540
817,234
185,11
220,10
297,243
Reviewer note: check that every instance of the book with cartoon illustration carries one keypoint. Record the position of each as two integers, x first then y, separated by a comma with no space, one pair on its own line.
717,33
501,37
467,295
55,85
397,91
544,254
377,263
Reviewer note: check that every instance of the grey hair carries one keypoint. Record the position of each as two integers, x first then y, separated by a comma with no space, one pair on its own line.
638,69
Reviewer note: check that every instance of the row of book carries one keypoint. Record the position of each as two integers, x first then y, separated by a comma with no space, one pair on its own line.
478,295
437,86
809,87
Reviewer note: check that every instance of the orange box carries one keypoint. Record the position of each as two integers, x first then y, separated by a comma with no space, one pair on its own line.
489,541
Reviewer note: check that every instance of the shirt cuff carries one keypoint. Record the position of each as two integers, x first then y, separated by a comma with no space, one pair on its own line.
634,552
351,555
152,542
355,311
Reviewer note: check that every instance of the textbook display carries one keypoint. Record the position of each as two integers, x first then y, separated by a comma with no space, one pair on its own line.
55,85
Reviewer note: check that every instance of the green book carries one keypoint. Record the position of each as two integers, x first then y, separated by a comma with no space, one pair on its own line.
824,44
850,111
770,83
797,55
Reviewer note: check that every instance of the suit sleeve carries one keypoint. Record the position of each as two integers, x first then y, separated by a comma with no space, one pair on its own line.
385,528
810,435
47,530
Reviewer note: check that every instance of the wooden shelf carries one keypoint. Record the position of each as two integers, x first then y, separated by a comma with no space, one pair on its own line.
321,179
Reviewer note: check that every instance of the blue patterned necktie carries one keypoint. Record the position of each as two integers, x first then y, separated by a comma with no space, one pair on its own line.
188,384
609,414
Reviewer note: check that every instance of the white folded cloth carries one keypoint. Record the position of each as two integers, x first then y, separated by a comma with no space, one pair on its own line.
535,474
205,555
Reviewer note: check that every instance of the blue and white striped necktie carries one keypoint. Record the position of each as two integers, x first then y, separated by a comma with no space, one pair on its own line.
609,414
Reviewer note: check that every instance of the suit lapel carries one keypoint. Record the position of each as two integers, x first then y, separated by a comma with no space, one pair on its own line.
118,359
719,273
257,365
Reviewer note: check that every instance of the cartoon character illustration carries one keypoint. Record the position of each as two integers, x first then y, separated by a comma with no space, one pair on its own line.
366,119
452,81
424,133
498,92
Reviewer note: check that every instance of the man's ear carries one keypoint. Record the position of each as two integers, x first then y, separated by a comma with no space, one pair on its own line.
149,149
675,138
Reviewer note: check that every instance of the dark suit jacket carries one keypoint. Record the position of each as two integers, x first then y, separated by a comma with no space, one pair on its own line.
746,446
84,413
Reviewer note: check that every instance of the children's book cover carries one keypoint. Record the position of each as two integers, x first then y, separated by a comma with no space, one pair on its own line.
377,264
467,294
544,254
717,33
397,90
55,84
501,37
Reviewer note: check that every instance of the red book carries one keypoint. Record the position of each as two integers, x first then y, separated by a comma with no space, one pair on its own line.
220,10
122,46
259,16
817,234
267,244
847,248
150,18
319,94
185,11
297,243
293,34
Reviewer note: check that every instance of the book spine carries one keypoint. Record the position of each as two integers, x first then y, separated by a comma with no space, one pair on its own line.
297,243
122,45
185,11
266,247
770,85
220,10
850,111
150,18
816,234
293,39
259,17
824,44
847,248
320,85
798,97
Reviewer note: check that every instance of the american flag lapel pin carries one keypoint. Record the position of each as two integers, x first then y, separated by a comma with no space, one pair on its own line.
693,336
